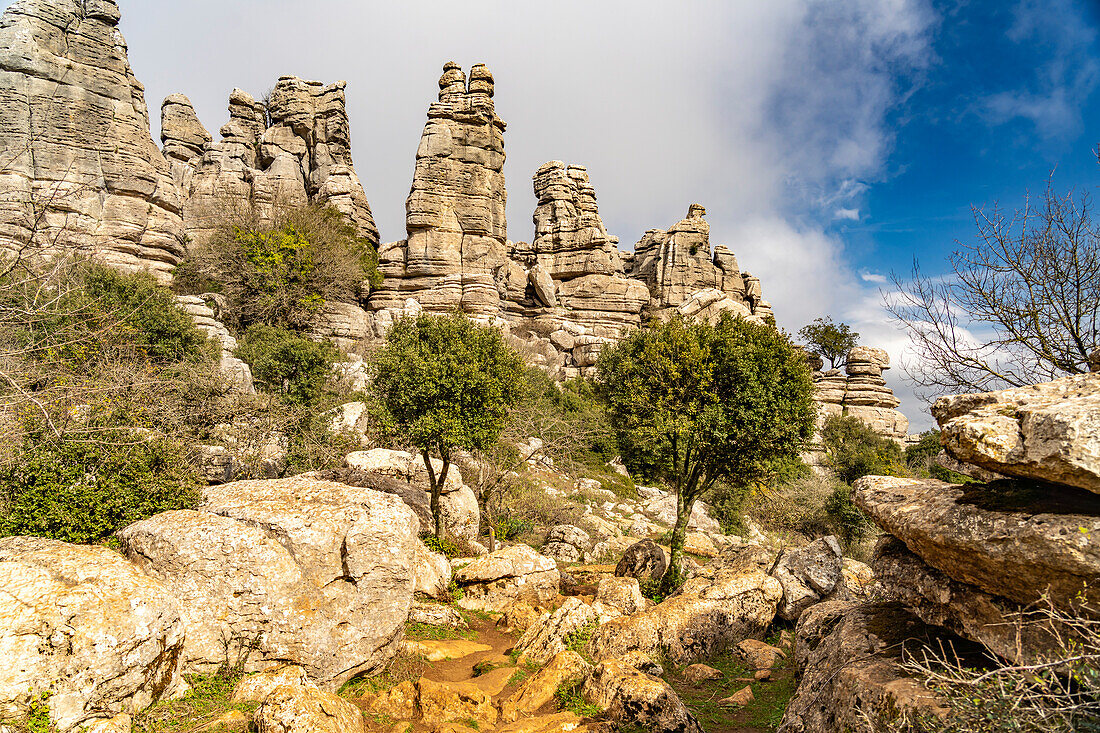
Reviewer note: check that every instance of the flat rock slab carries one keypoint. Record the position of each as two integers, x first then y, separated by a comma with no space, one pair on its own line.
441,650
493,683
1049,432
1007,538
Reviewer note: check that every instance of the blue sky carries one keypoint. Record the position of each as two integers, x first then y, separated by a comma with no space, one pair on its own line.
830,141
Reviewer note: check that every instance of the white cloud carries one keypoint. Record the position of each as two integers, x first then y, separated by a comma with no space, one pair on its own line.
872,277
846,214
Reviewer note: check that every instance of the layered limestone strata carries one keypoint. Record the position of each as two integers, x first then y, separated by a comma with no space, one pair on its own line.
456,244
78,167
677,263
861,392
293,150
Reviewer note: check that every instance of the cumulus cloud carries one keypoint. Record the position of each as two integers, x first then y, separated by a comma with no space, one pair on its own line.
846,214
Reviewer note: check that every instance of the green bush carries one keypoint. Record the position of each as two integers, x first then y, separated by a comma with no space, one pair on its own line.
83,491
287,364
282,275
852,450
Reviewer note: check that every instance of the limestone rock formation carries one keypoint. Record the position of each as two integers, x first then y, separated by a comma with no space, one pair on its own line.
492,581
233,369
726,602
677,263
539,689
995,623
1007,539
78,167
850,657
83,626
455,212
291,150
570,237
1047,432
807,575
306,709
861,392
310,572
631,697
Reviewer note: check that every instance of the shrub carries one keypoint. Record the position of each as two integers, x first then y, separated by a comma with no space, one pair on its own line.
281,275
287,364
83,491
852,449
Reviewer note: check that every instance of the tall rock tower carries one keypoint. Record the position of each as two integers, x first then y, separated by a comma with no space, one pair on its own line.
454,215
78,167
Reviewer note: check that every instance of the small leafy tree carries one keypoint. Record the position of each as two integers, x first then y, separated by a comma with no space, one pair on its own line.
829,340
694,403
449,384
291,366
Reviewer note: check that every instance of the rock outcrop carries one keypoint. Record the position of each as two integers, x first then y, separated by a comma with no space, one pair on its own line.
493,581
78,167
294,570
861,392
292,149
1045,432
84,628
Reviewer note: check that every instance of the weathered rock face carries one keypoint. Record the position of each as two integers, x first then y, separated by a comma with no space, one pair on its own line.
862,393
677,263
995,623
84,625
1008,539
807,575
306,709
726,602
1047,432
850,657
536,691
567,543
570,238
631,697
75,142
293,150
455,212
236,372
309,572
493,581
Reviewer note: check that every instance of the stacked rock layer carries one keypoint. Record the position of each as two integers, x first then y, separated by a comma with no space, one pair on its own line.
1000,566
78,168
861,392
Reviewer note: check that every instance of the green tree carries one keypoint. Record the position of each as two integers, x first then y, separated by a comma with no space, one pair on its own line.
852,450
449,384
829,340
292,366
694,403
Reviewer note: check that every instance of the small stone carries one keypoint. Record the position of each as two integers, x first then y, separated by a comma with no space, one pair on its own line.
697,673
739,699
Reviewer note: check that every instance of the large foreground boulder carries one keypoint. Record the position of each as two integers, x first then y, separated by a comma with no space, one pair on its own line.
850,659
84,627
492,581
1049,432
730,600
1001,626
1010,539
294,570
633,698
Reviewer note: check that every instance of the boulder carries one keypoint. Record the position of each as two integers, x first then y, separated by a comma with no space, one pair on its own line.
1047,432
699,673
758,655
461,514
85,627
436,614
539,689
492,581
551,633
293,570
631,697
257,686
441,702
567,543
643,561
807,575
1001,626
306,709
730,600
1013,540
432,573
620,593
850,657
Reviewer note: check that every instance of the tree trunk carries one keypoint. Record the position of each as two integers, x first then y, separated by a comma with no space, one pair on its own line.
436,485
671,579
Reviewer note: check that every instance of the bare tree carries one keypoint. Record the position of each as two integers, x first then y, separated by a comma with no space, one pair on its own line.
1021,304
